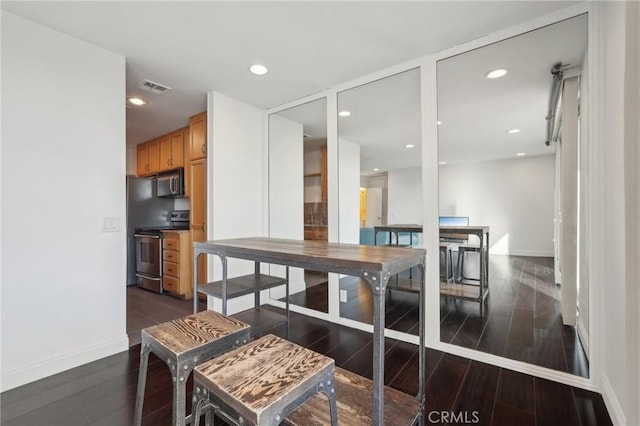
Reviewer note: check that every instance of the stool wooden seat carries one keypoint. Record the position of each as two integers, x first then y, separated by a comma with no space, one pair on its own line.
263,382
182,344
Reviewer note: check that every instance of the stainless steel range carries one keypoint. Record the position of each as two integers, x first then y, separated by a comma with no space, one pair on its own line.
148,243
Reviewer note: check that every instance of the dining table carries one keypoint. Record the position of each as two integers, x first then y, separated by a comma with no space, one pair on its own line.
453,234
373,264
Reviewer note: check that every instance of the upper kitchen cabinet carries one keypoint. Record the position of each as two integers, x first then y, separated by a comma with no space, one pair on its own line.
148,158
172,150
198,136
187,168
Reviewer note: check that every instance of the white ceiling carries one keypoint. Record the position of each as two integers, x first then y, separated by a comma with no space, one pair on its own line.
196,47
476,112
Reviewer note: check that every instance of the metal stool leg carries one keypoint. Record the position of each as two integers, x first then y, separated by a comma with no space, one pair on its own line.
333,406
142,381
180,374
201,405
461,253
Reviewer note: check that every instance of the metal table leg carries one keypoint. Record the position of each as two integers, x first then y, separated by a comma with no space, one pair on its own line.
378,284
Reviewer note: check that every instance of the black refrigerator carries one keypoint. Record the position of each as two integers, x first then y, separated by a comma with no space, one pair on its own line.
144,210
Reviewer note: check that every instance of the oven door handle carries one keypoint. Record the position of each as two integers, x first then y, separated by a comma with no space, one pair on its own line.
146,236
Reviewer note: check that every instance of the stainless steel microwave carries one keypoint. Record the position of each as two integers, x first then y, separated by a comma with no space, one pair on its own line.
171,184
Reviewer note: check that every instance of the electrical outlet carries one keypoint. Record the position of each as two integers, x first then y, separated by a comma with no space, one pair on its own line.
343,295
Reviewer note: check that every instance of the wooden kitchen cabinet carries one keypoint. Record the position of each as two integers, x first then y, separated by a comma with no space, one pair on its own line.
198,136
148,158
198,176
176,263
315,232
187,163
172,150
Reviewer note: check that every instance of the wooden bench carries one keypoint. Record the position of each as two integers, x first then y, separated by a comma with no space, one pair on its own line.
262,382
353,394
184,343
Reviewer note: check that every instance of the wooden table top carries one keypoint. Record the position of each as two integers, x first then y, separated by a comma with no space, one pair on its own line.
322,256
186,333
463,229
399,228
262,377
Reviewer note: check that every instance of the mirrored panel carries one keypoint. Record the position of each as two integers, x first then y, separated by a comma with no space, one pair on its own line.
298,192
512,178
380,188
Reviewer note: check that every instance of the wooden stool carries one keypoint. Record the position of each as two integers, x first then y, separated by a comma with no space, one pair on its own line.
182,344
263,382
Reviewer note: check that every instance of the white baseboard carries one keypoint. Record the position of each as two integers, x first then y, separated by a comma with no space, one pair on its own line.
611,401
529,253
22,376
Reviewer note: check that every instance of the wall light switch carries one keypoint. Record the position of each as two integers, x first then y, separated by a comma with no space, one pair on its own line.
343,295
110,224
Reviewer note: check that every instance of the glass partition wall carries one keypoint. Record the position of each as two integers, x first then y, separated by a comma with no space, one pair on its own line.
379,163
509,155
298,205
488,168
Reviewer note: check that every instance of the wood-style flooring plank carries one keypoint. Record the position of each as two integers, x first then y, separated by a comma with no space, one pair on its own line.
591,408
516,390
555,404
443,385
478,392
103,392
506,415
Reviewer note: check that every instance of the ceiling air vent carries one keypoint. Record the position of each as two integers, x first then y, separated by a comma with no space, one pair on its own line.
153,87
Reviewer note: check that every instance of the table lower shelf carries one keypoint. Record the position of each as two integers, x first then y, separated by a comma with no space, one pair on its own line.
241,286
354,400
462,291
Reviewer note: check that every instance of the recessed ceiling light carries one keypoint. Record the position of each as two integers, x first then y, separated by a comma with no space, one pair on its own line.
442,162
521,154
376,169
136,101
512,131
409,145
497,73
439,122
258,69
344,113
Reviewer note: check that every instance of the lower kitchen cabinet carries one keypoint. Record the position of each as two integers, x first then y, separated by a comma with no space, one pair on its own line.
176,263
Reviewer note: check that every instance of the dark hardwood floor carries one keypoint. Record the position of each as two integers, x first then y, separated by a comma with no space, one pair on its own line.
457,389
145,308
520,320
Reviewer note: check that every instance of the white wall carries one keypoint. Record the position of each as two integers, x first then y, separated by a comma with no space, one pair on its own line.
63,171
131,163
349,191
632,194
235,201
286,191
405,204
513,197
617,292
